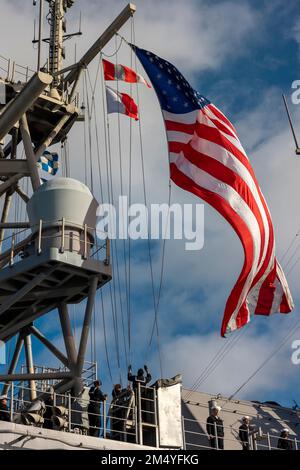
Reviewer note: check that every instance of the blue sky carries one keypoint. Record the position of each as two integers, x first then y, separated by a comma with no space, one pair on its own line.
242,55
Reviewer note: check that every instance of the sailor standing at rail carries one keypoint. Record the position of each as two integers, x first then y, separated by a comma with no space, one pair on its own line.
139,378
244,432
94,408
215,429
284,443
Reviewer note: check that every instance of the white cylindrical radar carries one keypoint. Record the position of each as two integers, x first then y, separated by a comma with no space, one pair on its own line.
63,205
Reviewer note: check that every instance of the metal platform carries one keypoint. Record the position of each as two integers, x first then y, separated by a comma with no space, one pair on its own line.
43,117
38,284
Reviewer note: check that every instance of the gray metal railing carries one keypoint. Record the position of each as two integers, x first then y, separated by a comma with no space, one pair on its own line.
122,422
12,72
91,249
258,439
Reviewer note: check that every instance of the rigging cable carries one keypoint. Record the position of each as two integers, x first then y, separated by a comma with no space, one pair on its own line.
292,330
129,203
83,108
122,214
89,116
110,200
93,112
145,201
289,247
105,337
215,362
161,271
118,286
219,356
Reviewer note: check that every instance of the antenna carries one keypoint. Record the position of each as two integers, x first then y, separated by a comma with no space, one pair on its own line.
56,15
79,29
40,34
291,125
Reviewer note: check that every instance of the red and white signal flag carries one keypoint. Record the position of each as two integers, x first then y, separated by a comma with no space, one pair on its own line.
122,73
122,103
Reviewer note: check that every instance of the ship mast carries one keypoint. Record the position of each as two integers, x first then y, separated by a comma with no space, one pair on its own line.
56,52
50,274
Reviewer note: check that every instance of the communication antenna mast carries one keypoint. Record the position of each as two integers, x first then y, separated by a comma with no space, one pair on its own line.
57,10
58,29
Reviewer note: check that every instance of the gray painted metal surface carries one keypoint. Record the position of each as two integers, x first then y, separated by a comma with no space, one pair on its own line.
61,198
20,104
270,418
169,416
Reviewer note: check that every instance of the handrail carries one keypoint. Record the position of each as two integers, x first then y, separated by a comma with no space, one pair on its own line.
113,424
39,232
11,70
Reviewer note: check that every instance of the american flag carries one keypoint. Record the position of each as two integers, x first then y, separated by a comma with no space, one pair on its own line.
207,159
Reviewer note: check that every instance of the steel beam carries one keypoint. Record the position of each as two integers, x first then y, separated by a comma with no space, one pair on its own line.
22,194
14,361
31,159
11,167
68,335
22,320
19,246
14,225
15,297
56,294
49,345
15,109
46,143
4,216
37,376
108,34
10,182
50,137
86,324
30,367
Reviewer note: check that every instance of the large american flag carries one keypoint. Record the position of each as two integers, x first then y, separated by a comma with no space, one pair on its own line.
207,159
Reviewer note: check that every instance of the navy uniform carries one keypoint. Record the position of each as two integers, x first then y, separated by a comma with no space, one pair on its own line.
215,430
139,378
94,408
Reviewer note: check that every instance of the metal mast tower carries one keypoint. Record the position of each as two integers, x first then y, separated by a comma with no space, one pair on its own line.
56,51
54,265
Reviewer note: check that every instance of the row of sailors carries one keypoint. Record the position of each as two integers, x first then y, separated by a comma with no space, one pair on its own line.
215,431
96,395
142,377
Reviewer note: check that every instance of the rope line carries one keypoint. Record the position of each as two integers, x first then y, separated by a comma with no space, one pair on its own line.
146,204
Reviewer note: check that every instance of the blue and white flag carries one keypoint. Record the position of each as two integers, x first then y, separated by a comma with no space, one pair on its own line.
49,162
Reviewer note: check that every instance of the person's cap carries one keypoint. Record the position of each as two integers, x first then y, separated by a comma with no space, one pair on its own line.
285,430
246,417
216,407
3,397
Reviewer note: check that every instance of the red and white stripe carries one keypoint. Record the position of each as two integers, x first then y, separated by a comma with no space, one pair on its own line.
123,73
207,159
121,103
